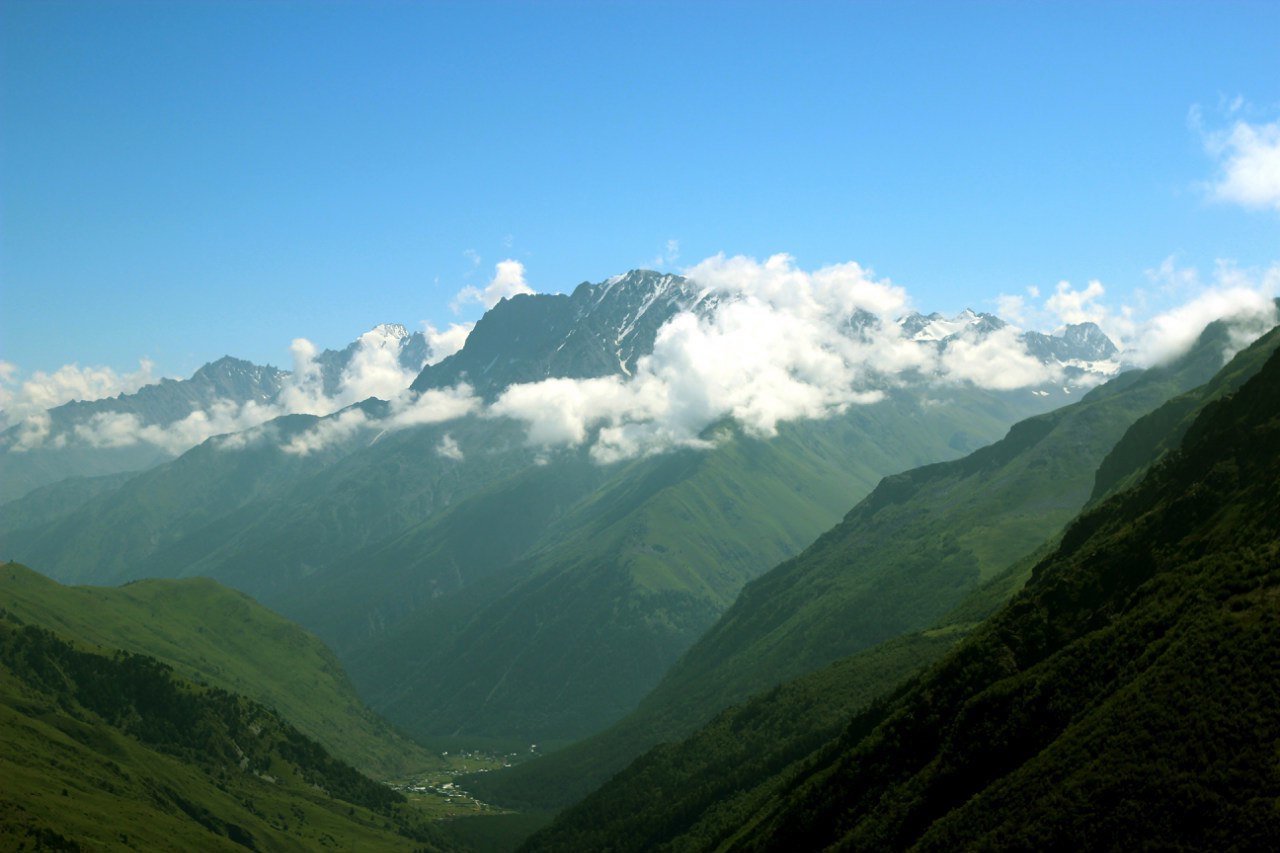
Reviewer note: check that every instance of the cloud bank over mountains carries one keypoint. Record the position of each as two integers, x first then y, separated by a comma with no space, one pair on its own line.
765,342
20,399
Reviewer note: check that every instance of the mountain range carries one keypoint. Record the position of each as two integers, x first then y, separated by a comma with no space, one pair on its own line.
677,588
420,554
132,432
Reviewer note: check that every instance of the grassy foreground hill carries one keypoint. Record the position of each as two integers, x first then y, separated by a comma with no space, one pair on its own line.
1128,697
113,751
211,634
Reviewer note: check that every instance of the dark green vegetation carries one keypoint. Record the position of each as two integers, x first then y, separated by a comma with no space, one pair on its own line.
1128,697
114,751
214,635
491,596
922,543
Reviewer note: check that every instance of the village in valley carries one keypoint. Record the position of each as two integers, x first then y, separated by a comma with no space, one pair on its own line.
438,793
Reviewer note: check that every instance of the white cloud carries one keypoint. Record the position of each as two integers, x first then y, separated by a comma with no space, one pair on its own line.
110,429
508,280
328,431
1248,164
374,370
1078,306
125,429
449,449
779,346
767,343
1012,308
1164,321
408,409
43,391
560,412
33,432
303,391
776,348
1247,298
1173,279
431,407
998,361
445,343
669,255
1069,306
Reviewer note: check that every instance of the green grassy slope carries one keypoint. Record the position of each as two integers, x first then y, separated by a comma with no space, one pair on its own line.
915,548
215,635
105,752
1130,696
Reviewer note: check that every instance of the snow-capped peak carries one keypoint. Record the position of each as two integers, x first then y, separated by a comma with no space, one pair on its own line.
935,327
390,331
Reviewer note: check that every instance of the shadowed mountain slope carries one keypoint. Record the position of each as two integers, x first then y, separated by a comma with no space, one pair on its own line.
912,550
1128,697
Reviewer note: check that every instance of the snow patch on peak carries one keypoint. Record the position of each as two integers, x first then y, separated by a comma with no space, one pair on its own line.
390,331
935,327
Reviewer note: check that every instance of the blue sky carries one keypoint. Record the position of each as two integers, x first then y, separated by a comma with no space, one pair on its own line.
182,181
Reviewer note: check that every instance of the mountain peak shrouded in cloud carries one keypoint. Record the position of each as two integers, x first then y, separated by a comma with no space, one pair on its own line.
597,330
935,327
646,361
227,396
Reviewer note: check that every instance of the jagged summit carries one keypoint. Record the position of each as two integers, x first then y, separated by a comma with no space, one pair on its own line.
232,367
598,330
604,328
390,331
936,327
1079,343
